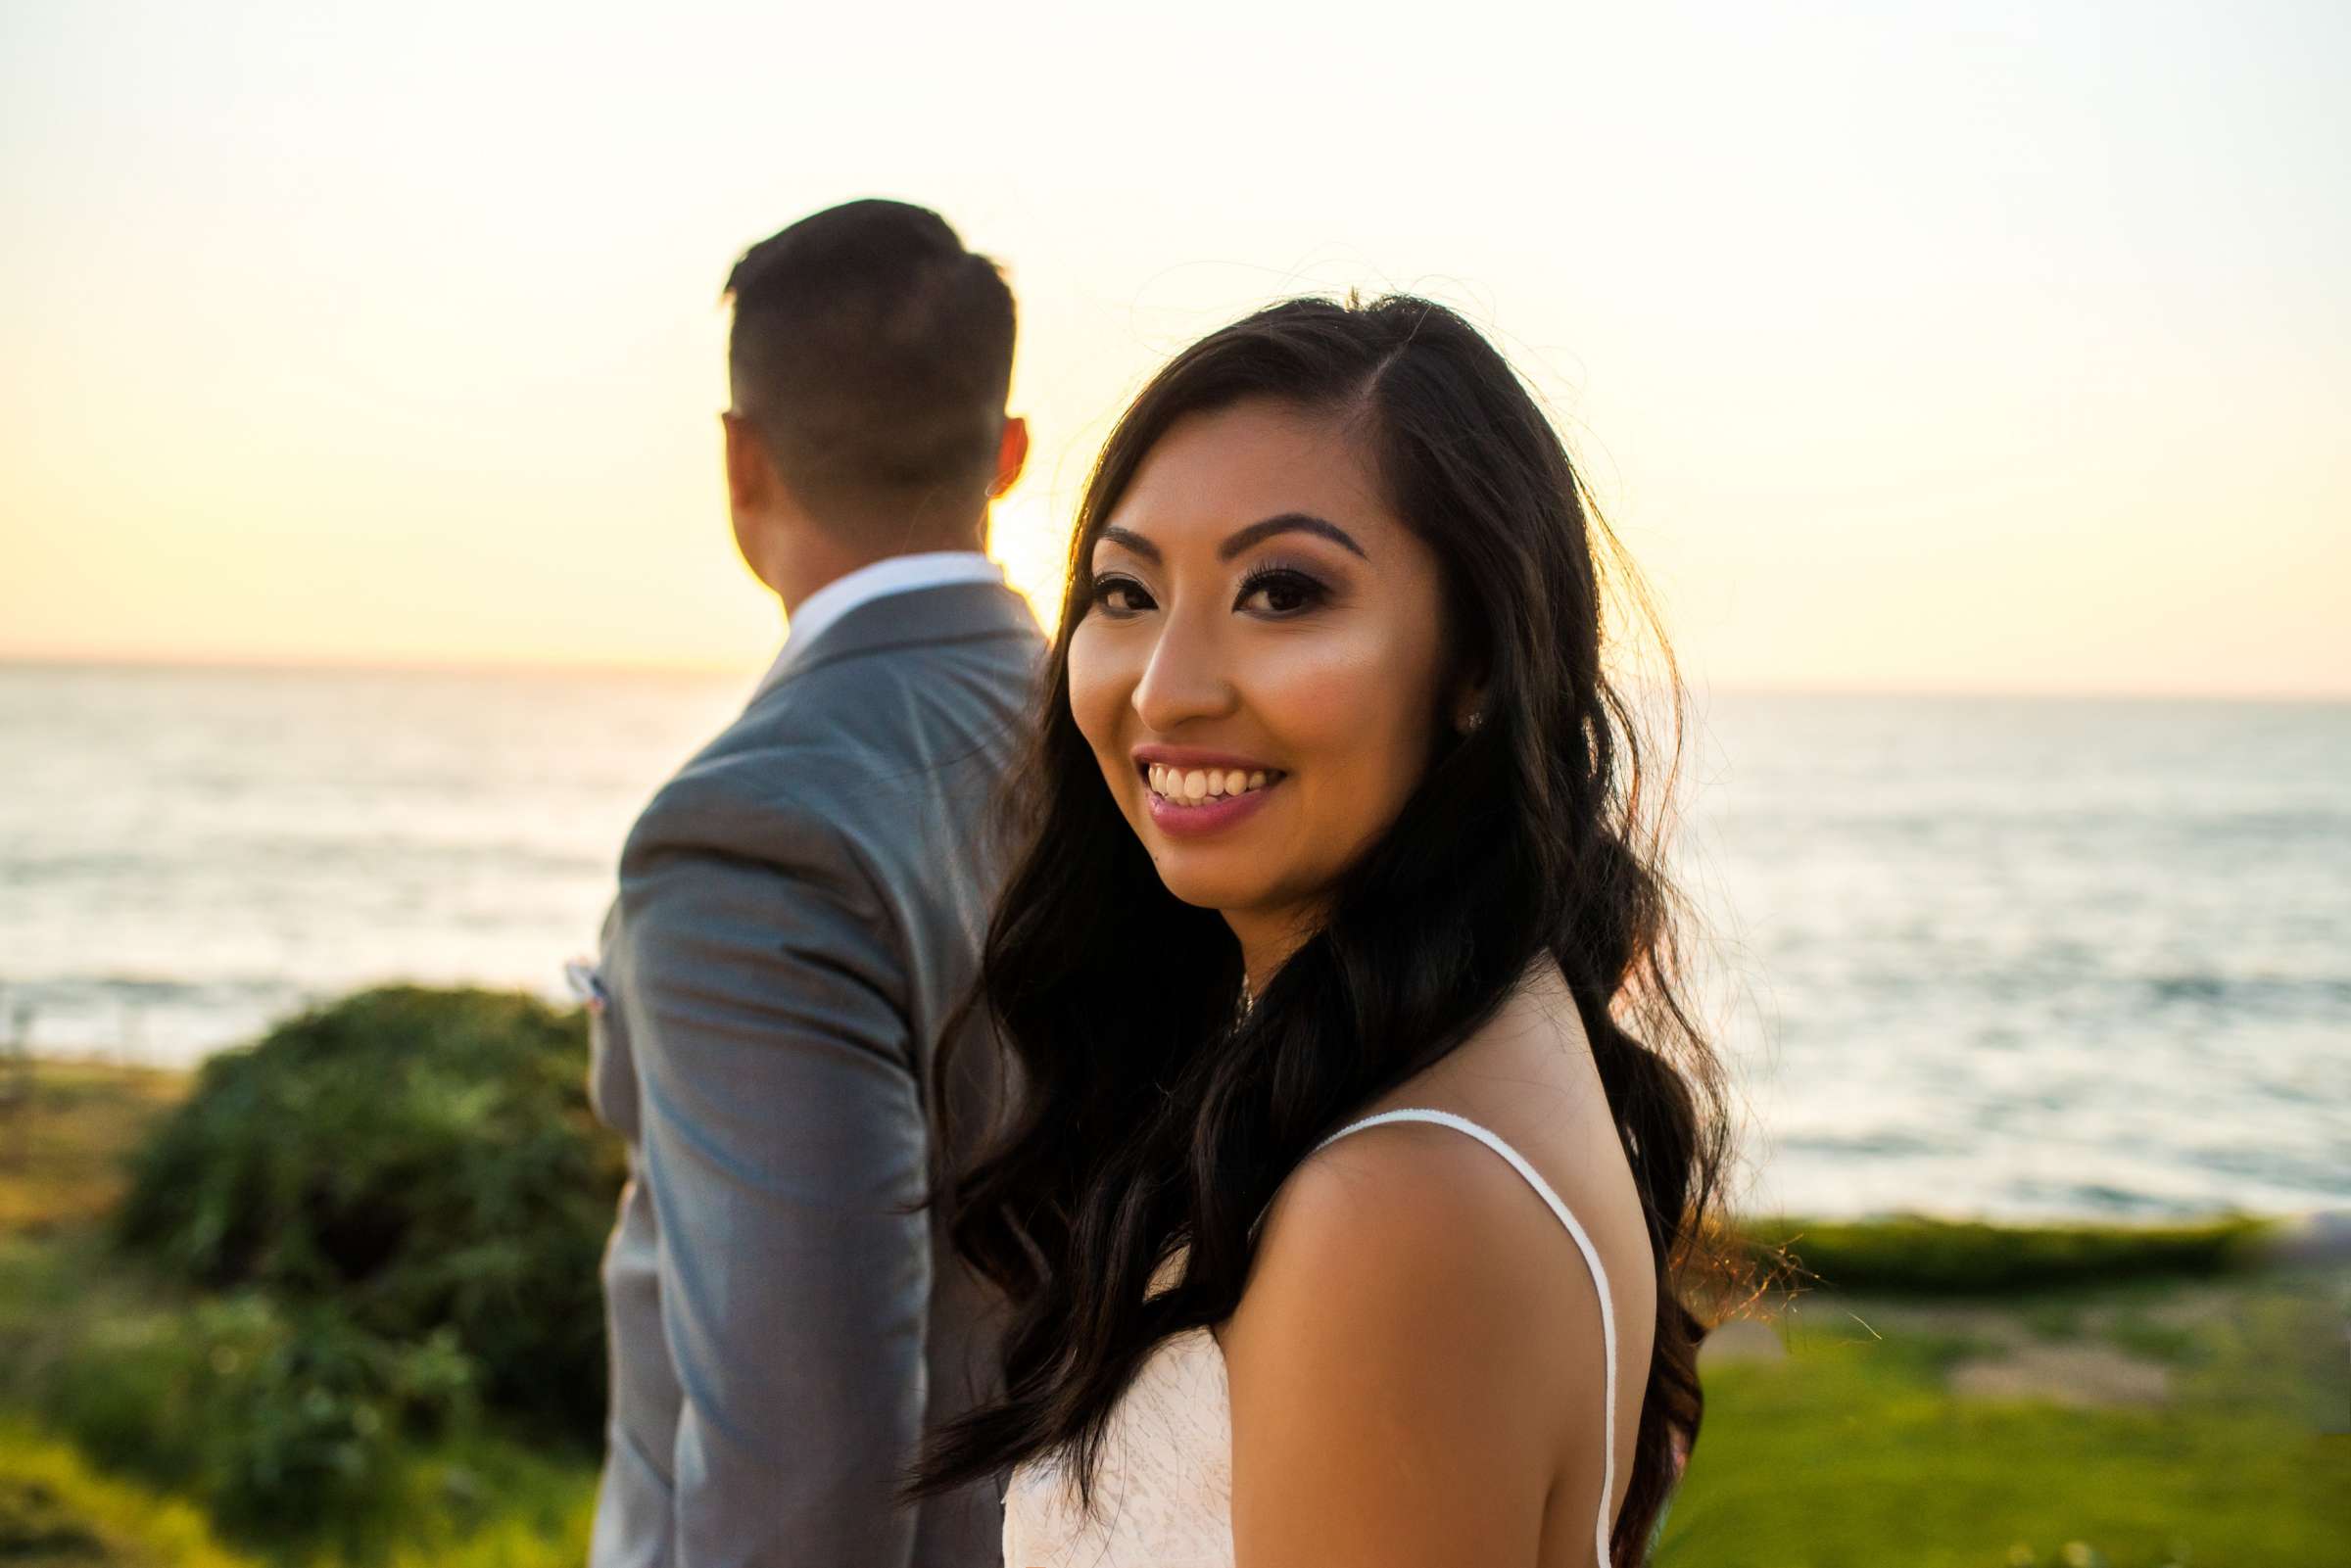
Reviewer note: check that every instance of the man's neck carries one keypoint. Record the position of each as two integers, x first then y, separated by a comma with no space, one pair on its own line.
799,572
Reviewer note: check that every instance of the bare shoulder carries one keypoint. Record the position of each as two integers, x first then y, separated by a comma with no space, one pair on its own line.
1408,1218
1402,1357
1416,1364
1419,1219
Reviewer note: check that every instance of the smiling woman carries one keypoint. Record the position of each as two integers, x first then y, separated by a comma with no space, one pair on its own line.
1330,826
1303,645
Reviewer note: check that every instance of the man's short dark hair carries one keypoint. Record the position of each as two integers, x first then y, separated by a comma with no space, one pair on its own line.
872,354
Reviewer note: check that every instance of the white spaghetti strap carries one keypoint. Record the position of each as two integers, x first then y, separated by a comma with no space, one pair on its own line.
1600,1278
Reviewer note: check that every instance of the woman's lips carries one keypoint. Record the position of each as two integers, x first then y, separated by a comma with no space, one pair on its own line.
1214,815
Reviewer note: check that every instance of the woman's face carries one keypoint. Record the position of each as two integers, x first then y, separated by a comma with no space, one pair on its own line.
1257,667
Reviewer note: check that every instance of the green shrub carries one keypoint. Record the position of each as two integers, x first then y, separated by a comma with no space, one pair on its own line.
283,1422
1911,1254
300,1437
285,1425
414,1160
314,1427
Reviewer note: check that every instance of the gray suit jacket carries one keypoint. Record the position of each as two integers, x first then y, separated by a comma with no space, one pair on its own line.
798,908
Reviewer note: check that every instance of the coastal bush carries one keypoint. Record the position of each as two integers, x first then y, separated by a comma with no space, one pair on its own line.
1913,1254
413,1161
284,1424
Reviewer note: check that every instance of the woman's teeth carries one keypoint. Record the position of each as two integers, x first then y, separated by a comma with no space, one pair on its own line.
1196,785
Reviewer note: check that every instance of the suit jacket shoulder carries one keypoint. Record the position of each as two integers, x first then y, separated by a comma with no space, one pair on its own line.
860,746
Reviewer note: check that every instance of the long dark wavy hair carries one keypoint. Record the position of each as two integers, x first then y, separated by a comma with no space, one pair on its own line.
1150,1112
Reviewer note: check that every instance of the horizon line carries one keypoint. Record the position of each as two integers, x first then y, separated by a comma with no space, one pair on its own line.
705,670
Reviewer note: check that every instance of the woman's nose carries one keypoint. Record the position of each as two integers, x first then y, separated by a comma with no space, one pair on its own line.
1184,677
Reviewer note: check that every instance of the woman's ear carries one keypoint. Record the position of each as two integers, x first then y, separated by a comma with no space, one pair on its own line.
1469,708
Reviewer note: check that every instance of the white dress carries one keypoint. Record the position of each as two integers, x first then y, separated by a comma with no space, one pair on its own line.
1163,1496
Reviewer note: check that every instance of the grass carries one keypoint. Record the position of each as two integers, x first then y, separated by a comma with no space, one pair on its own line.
1853,1449
54,1511
483,1502
65,1131
1853,1454
144,1382
480,1505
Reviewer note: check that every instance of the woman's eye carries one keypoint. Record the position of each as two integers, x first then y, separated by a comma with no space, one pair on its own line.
1106,586
1286,591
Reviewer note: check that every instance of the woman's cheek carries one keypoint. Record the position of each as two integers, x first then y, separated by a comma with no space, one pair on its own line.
1326,704
1092,702
1347,709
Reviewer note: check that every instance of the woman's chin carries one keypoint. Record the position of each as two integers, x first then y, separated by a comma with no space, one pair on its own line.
1203,892
1211,887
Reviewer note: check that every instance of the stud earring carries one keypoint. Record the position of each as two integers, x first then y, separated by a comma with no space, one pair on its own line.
1478,717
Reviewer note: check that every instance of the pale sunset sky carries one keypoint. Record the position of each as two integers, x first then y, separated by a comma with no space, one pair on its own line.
1967,346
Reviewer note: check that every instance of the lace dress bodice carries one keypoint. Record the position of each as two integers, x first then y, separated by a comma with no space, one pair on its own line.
1163,1491
1162,1496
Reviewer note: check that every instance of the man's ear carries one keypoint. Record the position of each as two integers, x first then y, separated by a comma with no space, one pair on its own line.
1012,455
750,477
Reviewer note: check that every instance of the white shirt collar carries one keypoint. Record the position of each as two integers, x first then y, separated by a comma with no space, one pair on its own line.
892,574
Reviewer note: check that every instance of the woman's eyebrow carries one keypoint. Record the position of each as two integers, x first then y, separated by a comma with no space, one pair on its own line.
1241,539
1128,537
1286,522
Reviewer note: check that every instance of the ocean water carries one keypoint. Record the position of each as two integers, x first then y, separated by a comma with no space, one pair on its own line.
2005,957
2033,956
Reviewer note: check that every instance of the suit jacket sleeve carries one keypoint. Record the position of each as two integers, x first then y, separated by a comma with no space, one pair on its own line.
782,1121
